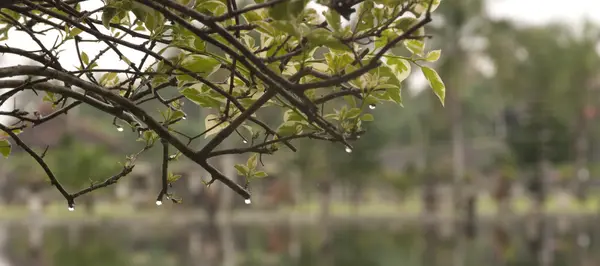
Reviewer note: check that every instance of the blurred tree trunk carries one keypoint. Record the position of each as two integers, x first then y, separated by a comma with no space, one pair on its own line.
321,169
325,199
458,143
356,196
228,248
227,195
89,203
501,244
582,173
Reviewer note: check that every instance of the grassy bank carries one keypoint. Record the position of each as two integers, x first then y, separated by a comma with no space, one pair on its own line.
410,208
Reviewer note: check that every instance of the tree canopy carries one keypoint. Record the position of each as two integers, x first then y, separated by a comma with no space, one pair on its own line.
322,69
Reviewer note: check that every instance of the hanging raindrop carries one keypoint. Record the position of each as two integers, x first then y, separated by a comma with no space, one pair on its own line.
71,208
245,141
158,203
120,128
348,150
247,201
184,117
372,106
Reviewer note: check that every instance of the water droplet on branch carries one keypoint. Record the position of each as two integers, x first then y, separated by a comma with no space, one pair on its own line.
71,208
348,150
158,203
120,128
244,141
372,106
247,201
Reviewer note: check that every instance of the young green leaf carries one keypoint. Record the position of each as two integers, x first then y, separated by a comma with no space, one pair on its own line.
107,14
252,161
211,121
85,59
5,148
433,56
367,117
242,169
201,64
353,113
435,82
260,174
171,178
397,68
200,98
15,131
415,46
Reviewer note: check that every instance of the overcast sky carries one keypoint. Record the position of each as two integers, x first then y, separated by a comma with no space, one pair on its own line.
542,11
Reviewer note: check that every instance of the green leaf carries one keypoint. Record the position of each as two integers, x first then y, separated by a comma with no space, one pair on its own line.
287,27
254,15
353,113
5,148
433,56
291,115
107,14
399,68
85,59
171,178
176,200
333,19
367,117
14,131
287,129
75,31
287,10
177,115
415,46
150,137
210,121
201,64
200,98
436,83
323,37
109,78
154,20
242,169
260,174
395,94
217,8
252,161
279,11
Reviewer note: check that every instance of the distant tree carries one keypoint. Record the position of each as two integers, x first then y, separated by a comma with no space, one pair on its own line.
278,55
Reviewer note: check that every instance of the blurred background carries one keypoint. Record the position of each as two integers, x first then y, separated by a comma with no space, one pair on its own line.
507,173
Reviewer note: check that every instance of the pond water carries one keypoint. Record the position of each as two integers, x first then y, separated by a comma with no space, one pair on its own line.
552,241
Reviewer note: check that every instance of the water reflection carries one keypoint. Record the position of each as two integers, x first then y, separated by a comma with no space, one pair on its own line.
547,241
